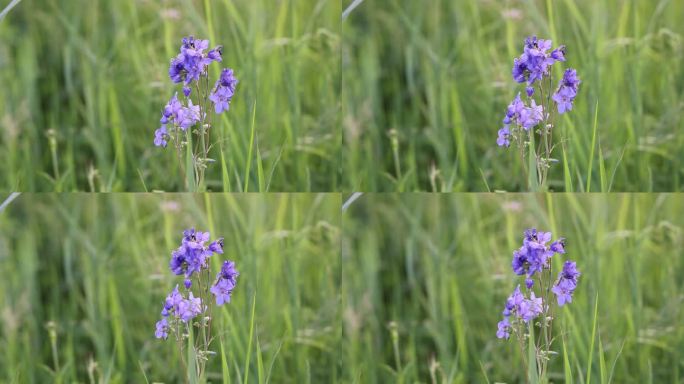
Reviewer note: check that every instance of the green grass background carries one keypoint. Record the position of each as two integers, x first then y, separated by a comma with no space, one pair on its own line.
426,85
437,267
85,81
97,267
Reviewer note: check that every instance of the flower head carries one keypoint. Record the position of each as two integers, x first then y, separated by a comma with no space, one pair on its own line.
503,139
191,62
222,291
503,331
225,282
570,271
223,90
162,331
172,301
513,302
532,115
160,136
535,61
534,255
563,291
189,308
567,91
229,272
217,246
531,308
193,254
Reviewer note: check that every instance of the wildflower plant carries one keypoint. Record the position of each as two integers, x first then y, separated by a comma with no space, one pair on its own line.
530,120
187,310
533,306
187,124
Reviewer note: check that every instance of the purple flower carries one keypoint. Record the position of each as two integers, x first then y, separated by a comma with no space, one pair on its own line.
188,116
171,110
567,91
558,54
172,301
217,246
563,291
193,239
229,272
534,255
223,90
503,329
514,109
222,290
531,116
503,139
193,254
177,263
570,271
570,79
529,91
162,329
160,136
564,98
519,261
189,308
175,113
535,61
519,69
176,69
558,246
531,308
513,302
225,282
529,283
215,54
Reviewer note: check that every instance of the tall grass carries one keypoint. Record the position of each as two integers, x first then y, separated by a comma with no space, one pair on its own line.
426,87
85,276
85,83
426,277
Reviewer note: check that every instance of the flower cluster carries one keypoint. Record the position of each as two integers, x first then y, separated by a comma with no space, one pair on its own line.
567,90
521,115
534,255
193,253
533,260
535,61
175,113
191,260
517,305
225,282
531,67
180,307
192,62
223,90
566,283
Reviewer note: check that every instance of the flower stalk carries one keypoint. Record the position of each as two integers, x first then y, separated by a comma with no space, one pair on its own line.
530,311
182,119
187,311
531,119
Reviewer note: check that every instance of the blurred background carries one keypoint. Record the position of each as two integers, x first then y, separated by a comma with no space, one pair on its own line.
426,278
427,83
85,82
85,277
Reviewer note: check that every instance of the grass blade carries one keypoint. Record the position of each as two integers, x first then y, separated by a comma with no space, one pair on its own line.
248,167
593,339
593,146
251,338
